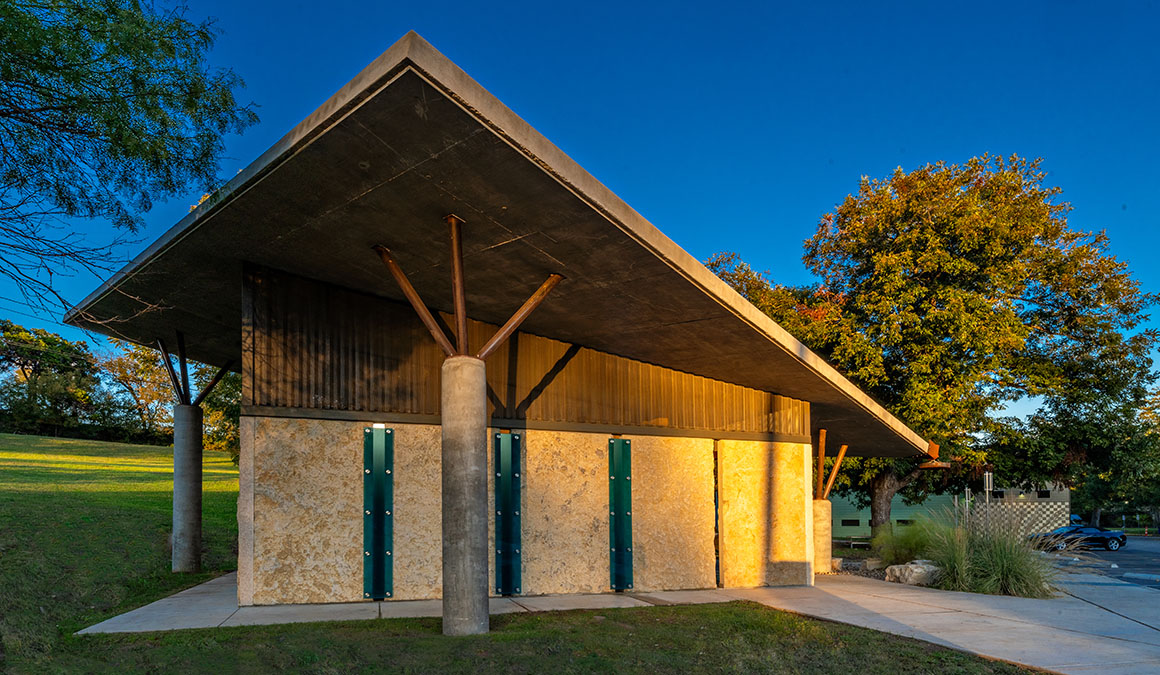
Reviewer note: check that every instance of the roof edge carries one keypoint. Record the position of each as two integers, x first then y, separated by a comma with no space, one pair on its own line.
412,50
361,87
457,84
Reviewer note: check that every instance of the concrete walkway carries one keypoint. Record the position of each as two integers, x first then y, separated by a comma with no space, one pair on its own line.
215,603
1099,625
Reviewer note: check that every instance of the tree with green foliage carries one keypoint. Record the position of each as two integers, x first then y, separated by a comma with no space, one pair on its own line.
33,352
105,107
1105,446
51,385
949,291
137,374
141,382
222,411
52,382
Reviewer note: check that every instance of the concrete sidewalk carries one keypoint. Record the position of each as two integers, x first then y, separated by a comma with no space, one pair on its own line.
1067,634
215,603
1099,625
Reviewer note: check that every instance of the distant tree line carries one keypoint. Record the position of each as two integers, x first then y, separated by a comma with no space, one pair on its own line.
51,386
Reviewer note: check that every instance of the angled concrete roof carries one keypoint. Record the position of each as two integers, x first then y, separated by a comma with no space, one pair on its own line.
413,138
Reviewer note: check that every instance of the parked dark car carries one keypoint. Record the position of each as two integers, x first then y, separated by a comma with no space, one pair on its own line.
1080,537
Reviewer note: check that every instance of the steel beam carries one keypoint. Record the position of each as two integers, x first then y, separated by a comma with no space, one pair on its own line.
821,463
416,302
184,367
522,313
165,358
212,383
834,472
457,289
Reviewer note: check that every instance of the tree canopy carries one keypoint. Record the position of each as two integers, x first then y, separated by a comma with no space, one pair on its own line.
951,290
105,106
32,352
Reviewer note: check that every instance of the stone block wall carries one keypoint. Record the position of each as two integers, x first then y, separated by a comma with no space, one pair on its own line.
823,540
300,512
766,513
300,522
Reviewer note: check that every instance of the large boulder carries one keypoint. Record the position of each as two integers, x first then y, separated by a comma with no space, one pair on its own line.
915,573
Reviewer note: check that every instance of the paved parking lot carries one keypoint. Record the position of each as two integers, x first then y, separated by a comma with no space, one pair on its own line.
1138,562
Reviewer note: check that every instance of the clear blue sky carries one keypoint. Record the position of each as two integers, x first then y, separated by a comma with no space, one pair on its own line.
734,127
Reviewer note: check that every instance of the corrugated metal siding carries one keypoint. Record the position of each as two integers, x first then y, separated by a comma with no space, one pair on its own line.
314,346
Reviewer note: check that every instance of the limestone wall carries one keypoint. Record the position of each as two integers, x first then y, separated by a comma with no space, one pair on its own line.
672,513
766,513
823,539
565,514
300,512
304,532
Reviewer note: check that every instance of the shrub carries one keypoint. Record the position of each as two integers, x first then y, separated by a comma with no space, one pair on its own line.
903,544
974,554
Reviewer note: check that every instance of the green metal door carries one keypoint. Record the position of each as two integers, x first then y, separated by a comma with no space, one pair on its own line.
378,512
620,512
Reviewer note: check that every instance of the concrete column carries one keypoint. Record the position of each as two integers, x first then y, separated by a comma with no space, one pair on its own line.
823,541
465,510
187,429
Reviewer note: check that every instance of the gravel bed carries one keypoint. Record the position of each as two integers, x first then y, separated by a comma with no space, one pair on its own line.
863,572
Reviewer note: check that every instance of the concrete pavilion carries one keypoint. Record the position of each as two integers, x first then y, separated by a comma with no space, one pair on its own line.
636,425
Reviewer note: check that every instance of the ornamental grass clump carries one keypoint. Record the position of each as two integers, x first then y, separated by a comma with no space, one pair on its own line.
1005,563
949,549
974,553
902,544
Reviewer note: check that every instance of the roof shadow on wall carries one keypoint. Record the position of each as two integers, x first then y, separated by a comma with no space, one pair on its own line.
518,411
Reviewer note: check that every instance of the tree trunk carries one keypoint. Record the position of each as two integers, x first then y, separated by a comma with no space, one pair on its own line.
1095,521
883,487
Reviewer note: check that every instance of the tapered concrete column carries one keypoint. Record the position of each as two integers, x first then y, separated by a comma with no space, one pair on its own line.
465,512
187,429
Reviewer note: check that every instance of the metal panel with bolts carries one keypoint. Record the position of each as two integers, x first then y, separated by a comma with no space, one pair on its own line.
507,514
620,512
378,513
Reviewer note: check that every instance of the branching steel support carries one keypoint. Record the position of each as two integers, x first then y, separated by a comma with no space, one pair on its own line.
821,463
463,419
416,302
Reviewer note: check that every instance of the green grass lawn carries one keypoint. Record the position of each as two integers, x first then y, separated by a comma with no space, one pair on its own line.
83,536
1139,531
